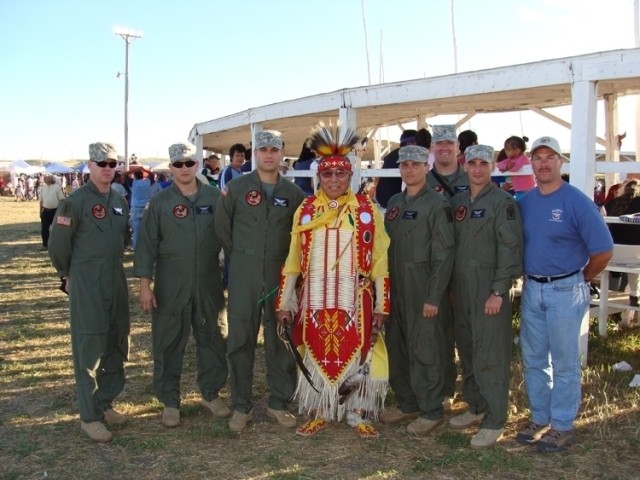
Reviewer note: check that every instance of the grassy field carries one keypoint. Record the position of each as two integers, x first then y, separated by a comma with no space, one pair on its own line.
40,435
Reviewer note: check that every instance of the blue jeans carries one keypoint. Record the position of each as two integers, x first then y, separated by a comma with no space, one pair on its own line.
549,337
136,220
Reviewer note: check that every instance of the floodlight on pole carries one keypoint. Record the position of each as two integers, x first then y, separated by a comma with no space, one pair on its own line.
128,36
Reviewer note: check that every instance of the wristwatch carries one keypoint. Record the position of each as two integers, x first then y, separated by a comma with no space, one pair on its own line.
496,293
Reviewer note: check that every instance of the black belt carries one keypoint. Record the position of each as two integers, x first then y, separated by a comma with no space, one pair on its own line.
551,279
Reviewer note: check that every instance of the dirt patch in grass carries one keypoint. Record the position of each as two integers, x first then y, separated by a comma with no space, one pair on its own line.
40,435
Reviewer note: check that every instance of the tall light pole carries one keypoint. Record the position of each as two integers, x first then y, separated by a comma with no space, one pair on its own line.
636,41
453,37
128,36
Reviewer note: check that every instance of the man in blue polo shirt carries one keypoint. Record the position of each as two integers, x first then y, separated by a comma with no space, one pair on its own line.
566,245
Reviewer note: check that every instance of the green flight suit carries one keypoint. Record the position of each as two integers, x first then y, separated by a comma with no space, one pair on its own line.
254,229
420,262
488,256
454,184
87,241
178,241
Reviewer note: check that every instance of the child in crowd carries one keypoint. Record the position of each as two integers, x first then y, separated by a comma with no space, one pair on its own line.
515,147
500,181
466,138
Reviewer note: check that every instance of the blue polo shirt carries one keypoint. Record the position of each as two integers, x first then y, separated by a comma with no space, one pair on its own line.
561,231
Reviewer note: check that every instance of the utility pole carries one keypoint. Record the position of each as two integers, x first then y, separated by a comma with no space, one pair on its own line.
128,36
366,41
453,37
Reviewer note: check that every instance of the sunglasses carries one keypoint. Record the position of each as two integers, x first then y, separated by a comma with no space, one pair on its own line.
338,173
103,164
188,164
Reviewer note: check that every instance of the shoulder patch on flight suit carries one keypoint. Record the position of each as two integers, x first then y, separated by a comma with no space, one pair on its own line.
479,213
204,209
253,198
180,211
410,215
280,202
98,211
511,212
392,213
461,213
64,221
119,211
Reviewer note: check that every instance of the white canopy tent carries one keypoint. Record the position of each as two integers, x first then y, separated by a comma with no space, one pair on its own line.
22,167
160,166
81,168
4,165
58,169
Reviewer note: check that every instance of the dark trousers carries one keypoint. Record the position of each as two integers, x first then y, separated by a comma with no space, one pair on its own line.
46,219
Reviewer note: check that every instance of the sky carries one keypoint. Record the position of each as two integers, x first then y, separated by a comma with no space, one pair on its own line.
203,59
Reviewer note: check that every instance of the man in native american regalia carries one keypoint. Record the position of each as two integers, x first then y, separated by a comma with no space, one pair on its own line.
339,253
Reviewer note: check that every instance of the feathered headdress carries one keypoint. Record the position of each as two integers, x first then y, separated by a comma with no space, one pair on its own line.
334,153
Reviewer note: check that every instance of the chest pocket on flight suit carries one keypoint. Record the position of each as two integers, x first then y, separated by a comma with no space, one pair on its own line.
204,217
247,231
173,225
415,230
476,231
